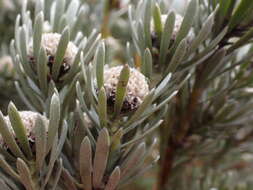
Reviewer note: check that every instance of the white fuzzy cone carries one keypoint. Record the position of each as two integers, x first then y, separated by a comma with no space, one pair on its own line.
137,87
50,43
28,119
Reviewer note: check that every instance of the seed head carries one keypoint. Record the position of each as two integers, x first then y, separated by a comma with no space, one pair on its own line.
50,42
137,88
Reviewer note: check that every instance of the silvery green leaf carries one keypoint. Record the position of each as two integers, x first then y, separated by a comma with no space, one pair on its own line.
89,85
121,89
244,8
8,169
9,181
42,70
100,62
203,34
91,39
145,104
62,46
101,157
25,175
54,120
211,46
63,23
23,97
57,174
3,185
159,106
116,140
139,173
157,20
59,10
9,138
113,180
90,52
68,180
102,107
160,88
134,32
177,57
38,29
74,68
40,142
141,37
130,60
86,164
81,116
128,165
215,64
143,135
39,7
19,129
17,33
242,41
7,155
72,10
23,48
56,150
76,26
147,20
147,64
52,159
70,93
188,21
166,36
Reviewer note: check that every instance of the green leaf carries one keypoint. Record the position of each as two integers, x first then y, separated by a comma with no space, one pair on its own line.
8,169
54,120
133,159
19,129
177,57
203,34
86,164
113,179
166,36
147,64
23,49
224,7
146,102
59,10
102,107
245,39
8,138
147,19
244,8
121,89
62,46
188,21
101,157
162,86
100,62
42,70
38,29
40,141
157,21
25,175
